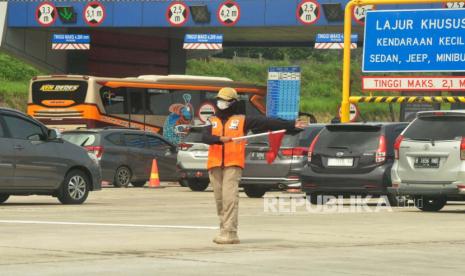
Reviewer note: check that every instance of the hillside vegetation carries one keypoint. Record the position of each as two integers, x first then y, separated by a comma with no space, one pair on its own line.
14,81
321,80
321,77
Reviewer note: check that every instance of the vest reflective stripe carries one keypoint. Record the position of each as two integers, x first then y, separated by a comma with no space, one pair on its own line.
234,153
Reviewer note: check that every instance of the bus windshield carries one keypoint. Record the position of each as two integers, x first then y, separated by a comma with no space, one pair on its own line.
59,92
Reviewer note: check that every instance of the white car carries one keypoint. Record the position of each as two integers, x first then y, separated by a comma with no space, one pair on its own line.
430,159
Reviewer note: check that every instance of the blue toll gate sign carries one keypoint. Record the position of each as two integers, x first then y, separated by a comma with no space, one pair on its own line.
414,41
283,95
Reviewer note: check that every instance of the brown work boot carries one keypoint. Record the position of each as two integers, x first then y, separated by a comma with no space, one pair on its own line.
227,238
221,236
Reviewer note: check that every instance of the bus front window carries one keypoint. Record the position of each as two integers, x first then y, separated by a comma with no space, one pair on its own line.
59,93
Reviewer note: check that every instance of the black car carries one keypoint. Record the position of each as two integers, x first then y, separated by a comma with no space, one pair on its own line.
125,155
33,160
351,159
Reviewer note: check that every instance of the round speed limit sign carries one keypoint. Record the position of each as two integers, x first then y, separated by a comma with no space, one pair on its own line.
308,12
46,14
359,13
229,13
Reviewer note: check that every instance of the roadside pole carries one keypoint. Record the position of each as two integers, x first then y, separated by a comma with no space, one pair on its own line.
347,33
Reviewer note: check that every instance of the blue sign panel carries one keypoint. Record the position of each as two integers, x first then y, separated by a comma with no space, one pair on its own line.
283,95
334,38
71,38
414,41
203,38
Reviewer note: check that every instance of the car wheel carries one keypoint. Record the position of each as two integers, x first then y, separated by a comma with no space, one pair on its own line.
429,204
3,198
197,185
122,177
183,182
138,183
254,191
75,188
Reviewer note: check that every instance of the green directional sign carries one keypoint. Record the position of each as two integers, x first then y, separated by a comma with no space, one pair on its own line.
67,15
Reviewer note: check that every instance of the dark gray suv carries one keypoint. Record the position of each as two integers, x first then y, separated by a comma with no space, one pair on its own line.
125,155
34,161
351,159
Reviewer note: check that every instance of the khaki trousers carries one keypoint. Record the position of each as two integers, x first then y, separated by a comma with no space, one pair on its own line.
225,183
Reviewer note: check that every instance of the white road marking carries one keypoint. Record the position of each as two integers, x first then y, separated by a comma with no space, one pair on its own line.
108,224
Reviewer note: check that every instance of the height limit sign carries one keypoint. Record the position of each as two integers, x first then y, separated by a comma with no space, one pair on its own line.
229,13
94,14
308,12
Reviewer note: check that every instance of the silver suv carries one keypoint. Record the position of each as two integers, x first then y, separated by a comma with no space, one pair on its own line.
192,161
430,159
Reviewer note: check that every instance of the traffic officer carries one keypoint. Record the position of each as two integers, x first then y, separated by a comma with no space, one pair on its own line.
226,158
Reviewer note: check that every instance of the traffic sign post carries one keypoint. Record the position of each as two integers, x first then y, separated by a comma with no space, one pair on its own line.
413,83
334,41
359,13
67,14
414,41
353,114
46,14
94,14
308,12
205,111
71,42
177,14
229,13
345,104
203,42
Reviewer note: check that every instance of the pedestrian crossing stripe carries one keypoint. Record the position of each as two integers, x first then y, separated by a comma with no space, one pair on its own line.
407,99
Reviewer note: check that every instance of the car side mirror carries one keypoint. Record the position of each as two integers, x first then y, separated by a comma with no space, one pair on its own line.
52,134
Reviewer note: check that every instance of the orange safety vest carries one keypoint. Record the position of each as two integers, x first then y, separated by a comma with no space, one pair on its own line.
231,153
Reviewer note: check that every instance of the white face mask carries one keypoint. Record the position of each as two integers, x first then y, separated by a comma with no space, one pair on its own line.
222,105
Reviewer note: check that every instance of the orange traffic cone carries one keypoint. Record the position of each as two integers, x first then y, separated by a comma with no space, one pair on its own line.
154,181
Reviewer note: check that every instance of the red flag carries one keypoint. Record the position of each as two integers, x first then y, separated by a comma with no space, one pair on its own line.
274,139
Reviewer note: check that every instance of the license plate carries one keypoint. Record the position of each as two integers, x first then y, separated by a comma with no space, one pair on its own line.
426,162
201,153
257,156
340,162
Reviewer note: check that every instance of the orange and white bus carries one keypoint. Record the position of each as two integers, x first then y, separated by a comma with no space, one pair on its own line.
166,104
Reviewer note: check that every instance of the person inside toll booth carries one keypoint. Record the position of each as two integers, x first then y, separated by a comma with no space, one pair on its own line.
226,157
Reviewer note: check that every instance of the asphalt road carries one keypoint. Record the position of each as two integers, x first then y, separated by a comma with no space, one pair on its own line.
169,231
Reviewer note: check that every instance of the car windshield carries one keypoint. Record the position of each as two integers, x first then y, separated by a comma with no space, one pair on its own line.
194,136
357,138
436,128
80,139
